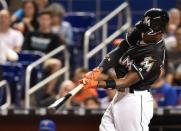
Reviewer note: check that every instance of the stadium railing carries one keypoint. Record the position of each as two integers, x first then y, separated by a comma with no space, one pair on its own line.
64,70
4,84
105,38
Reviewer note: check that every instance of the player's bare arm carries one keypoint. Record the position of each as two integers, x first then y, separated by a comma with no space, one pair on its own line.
122,83
130,79
108,62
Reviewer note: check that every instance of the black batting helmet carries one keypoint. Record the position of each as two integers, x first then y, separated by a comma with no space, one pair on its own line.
156,19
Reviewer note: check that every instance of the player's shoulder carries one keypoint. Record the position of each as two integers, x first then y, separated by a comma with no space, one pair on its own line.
157,47
156,51
153,50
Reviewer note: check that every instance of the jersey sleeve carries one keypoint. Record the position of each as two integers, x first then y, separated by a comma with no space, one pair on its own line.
149,68
133,36
112,58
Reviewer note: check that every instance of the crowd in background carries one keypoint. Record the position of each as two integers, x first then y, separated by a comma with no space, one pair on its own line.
39,26
36,26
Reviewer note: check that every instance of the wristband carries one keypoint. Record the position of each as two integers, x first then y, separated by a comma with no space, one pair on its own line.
110,84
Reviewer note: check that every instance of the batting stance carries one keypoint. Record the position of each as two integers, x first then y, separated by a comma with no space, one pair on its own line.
137,61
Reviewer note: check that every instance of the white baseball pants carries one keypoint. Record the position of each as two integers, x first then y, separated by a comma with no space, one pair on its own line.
128,112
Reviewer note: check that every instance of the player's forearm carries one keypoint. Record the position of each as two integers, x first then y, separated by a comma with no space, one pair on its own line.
111,58
113,84
130,79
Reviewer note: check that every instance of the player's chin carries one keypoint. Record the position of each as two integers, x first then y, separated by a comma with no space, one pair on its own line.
152,38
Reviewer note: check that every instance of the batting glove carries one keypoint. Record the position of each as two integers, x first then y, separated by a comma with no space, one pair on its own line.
88,83
94,74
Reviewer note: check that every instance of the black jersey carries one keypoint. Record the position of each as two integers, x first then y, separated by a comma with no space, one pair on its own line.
145,59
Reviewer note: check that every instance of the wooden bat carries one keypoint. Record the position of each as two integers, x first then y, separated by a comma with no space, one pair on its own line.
61,101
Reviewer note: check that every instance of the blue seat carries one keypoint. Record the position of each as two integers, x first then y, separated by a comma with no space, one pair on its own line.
80,22
28,57
178,89
101,93
1,96
14,74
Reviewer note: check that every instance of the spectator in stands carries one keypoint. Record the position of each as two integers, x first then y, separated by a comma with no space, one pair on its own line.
47,125
18,15
44,40
174,72
91,103
174,23
13,39
178,39
61,27
28,22
174,15
66,87
42,4
179,97
83,94
107,100
164,94
178,4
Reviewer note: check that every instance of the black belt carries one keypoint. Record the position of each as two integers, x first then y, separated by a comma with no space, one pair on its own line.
131,90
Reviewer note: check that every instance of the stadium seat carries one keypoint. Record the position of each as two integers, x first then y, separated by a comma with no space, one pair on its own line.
178,89
101,93
28,57
1,96
14,74
80,22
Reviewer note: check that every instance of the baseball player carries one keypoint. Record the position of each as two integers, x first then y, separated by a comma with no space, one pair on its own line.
137,61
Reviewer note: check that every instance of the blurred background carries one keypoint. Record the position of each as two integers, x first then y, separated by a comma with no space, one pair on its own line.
46,47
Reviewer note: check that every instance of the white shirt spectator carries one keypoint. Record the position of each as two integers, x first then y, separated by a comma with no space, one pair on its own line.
170,42
7,54
12,38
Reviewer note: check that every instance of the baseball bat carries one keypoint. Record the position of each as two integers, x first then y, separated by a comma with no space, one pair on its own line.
61,101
